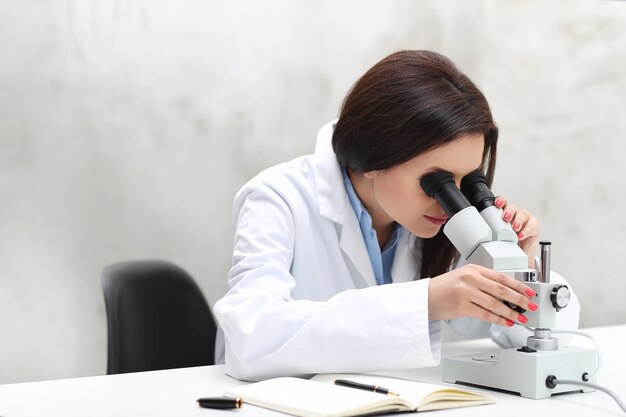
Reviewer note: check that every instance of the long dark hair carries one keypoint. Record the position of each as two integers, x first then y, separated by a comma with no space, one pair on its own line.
407,104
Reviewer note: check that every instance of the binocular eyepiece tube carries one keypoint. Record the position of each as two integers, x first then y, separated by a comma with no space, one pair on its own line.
474,191
465,228
474,187
440,185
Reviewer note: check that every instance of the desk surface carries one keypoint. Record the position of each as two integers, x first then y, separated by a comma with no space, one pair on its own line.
173,392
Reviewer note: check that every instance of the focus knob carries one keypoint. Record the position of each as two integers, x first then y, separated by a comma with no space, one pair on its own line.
560,297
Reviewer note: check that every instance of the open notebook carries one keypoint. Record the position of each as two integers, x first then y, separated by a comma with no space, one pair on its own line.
320,397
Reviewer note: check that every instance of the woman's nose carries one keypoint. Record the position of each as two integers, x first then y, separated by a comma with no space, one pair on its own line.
441,211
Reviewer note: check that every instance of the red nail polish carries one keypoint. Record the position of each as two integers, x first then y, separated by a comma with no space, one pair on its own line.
498,202
520,235
532,306
507,216
516,225
530,292
509,323
522,319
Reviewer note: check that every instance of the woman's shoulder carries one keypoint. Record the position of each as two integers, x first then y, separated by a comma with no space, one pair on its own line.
289,180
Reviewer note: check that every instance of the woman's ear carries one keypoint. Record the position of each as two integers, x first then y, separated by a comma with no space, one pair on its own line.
370,175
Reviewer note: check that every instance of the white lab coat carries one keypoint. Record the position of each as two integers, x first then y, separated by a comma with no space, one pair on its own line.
303,298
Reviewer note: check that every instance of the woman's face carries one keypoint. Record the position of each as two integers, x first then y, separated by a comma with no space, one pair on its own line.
396,194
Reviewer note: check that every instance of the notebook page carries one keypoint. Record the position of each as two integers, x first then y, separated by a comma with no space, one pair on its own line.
413,391
310,398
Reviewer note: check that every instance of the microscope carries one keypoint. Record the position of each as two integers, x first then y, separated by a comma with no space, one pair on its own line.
475,227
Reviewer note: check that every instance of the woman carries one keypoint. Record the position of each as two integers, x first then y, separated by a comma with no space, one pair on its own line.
318,237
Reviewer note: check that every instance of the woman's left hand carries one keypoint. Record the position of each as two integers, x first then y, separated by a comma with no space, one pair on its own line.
524,224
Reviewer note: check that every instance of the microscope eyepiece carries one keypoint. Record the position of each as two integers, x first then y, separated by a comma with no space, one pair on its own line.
440,185
474,187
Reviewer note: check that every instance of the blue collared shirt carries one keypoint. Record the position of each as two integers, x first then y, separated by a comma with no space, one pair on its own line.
381,260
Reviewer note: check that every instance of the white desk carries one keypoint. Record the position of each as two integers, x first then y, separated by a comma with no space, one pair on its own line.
173,392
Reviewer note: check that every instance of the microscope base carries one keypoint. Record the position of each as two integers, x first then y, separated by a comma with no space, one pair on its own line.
520,372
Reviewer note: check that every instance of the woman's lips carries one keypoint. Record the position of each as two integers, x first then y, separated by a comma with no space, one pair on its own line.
437,220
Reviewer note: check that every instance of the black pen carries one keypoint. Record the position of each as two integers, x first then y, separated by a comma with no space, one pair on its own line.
366,387
220,403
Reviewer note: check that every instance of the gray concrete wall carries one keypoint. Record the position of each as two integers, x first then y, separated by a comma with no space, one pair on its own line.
127,126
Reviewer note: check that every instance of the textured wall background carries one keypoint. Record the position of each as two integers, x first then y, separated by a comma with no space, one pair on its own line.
127,126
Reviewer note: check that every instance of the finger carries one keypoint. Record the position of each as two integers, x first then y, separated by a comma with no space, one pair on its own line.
520,219
480,313
504,279
505,293
497,307
531,228
499,284
500,201
508,212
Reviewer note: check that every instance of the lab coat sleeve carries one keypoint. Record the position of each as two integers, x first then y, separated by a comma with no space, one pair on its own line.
270,334
509,337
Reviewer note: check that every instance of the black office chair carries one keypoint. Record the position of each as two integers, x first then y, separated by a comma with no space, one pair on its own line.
157,318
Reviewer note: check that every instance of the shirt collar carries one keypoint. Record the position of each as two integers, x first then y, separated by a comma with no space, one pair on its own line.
354,199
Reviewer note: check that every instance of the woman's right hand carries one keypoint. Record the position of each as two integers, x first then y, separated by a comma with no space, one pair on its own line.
478,292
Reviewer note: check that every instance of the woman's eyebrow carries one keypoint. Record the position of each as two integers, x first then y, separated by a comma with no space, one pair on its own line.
445,171
437,169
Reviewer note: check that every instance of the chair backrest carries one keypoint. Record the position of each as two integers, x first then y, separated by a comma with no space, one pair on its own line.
157,318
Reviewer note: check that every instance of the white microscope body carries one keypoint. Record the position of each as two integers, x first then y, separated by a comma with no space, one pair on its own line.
485,239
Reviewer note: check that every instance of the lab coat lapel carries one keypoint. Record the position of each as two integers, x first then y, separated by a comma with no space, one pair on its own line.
334,205
353,246
405,262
